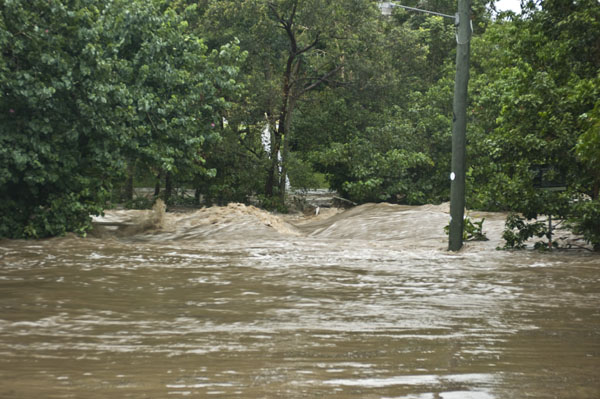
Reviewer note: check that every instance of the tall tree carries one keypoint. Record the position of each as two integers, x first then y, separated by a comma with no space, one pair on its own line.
528,105
535,95
294,47
391,118
56,133
88,86
177,90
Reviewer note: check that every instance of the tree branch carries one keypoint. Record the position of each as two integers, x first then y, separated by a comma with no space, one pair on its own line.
277,16
287,25
319,80
313,44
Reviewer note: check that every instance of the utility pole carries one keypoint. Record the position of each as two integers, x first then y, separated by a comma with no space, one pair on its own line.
459,127
459,121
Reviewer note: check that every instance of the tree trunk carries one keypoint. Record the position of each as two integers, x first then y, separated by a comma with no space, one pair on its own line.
291,91
285,144
197,194
157,185
273,173
283,176
128,190
168,187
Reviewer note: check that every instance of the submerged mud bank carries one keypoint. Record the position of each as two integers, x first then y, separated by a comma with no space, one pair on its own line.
412,226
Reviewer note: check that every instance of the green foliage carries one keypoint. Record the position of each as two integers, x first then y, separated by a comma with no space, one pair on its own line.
588,143
177,90
294,47
56,138
403,156
362,172
586,221
385,134
90,86
528,111
272,204
535,109
301,174
239,162
517,231
472,230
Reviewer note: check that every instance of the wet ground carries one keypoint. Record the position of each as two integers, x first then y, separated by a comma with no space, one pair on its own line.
234,302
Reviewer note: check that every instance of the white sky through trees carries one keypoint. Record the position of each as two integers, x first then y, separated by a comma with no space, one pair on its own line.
505,5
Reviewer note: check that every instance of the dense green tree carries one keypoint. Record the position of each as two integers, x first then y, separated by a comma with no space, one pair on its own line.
89,86
588,144
528,105
401,104
534,94
239,162
177,90
56,138
295,47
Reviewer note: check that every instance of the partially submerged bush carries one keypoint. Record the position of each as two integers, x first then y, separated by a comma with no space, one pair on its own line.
583,220
472,230
586,222
518,230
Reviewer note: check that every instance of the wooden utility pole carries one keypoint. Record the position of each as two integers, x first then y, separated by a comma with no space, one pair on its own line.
459,127
459,122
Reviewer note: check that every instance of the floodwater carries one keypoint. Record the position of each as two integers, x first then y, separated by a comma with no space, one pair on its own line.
236,303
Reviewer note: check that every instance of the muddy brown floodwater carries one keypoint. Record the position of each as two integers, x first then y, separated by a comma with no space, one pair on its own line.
236,303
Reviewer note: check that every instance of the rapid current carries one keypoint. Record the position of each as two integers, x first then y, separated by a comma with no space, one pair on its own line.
234,302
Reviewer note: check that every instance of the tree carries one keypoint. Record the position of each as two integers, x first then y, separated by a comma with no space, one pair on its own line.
177,90
531,107
295,47
392,119
55,123
588,145
528,105
89,86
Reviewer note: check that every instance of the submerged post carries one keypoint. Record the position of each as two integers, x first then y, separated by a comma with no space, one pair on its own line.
459,127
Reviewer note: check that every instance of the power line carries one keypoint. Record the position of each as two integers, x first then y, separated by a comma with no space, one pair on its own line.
388,5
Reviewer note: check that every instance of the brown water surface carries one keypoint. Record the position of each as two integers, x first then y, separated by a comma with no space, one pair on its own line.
234,302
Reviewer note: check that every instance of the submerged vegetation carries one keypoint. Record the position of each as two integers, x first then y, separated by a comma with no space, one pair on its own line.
472,230
231,98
